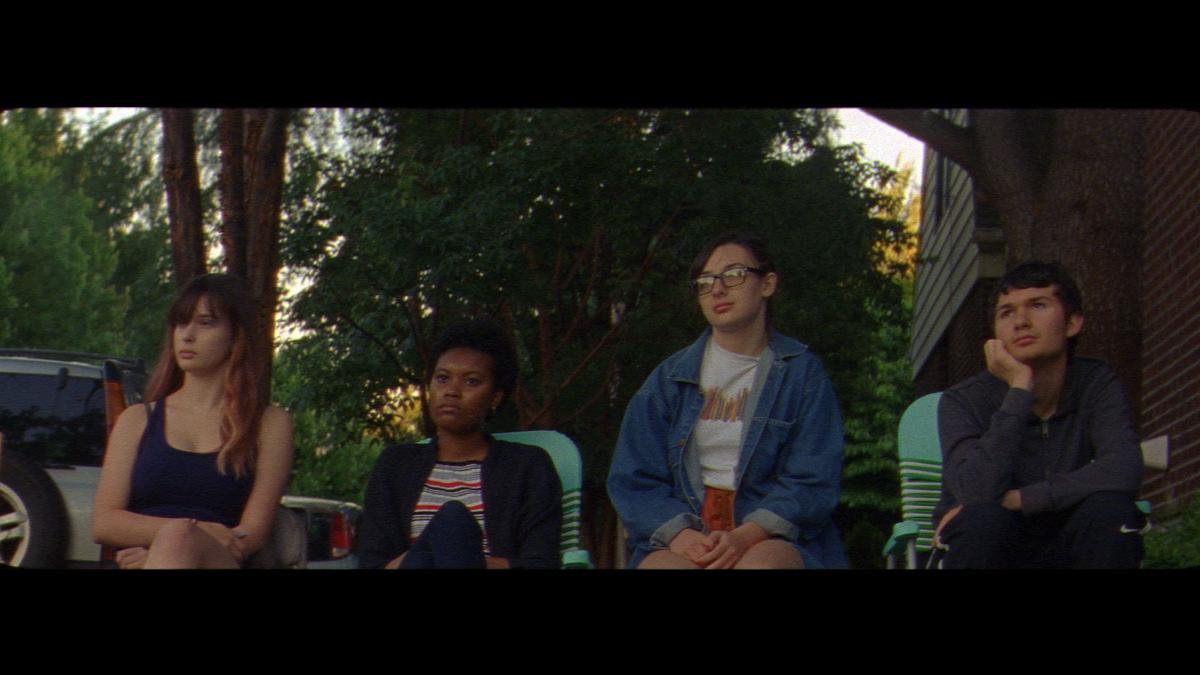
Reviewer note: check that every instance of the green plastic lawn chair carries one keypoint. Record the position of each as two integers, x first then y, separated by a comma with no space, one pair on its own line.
565,455
920,453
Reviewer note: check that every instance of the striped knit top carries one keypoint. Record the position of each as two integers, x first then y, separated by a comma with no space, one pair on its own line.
451,481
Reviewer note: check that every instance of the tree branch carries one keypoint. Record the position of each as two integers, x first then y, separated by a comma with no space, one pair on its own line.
382,346
578,369
116,126
600,392
593,280
182,178
604,340
944,136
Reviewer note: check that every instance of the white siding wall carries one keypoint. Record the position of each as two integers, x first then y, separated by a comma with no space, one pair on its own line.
948,260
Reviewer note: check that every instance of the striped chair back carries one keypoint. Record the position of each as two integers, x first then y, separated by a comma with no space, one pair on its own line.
565,455
920,456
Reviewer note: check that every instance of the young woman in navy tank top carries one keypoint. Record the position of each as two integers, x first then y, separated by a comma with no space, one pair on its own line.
193,477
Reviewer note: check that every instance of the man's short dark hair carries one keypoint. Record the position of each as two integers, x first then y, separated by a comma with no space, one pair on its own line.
1041,274
486,336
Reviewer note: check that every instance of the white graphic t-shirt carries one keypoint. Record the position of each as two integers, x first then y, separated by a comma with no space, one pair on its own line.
726,379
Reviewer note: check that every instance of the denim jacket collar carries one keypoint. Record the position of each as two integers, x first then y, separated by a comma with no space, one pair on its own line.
687,369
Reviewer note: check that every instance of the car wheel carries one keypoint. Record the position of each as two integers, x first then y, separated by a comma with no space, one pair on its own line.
33,520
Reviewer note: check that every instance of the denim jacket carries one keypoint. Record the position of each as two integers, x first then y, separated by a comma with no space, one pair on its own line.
787,473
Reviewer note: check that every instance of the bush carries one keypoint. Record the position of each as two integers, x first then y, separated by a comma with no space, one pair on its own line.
1177,543
335,449
330,468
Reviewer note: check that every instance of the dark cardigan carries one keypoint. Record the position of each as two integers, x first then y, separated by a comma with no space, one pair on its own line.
522,498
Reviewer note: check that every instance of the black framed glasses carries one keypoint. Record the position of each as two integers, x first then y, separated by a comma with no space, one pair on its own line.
731,278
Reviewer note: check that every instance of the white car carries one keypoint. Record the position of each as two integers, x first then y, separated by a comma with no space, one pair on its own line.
53,409
331,527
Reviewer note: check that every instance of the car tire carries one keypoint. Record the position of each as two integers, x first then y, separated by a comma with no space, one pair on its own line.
33,519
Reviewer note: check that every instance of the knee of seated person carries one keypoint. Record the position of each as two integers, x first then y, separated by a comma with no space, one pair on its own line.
453,516
982,519
178,532
454,508
1108,508
984,513
980,537
1106,529
772,554
1114,504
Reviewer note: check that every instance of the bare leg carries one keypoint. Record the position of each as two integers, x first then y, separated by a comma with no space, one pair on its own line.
772,554
666,560
182,545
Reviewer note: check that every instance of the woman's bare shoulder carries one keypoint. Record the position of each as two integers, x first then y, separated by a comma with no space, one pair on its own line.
127,431
276,424
136,414
276,416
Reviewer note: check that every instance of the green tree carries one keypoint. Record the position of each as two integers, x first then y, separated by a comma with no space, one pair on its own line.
334,455
575,228
55,263
253,145
881,387
1058,185
115,164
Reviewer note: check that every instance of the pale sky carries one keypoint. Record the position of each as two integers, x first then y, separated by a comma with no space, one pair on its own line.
880,141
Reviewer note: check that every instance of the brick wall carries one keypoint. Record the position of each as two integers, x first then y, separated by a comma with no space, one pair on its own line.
1171,304
959,353
1169,379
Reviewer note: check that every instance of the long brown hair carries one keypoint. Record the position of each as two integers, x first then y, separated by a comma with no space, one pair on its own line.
243,401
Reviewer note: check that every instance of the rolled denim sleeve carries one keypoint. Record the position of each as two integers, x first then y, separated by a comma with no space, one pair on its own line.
661,538
640,480
804,491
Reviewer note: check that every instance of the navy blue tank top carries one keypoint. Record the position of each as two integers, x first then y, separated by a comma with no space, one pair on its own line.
171,483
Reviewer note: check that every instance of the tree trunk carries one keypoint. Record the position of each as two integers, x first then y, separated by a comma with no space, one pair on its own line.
253,145
1007,174
1089,218
1065,186
265,144
232,188
182,179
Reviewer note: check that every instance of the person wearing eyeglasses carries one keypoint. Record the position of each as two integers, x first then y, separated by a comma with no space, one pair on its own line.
730,454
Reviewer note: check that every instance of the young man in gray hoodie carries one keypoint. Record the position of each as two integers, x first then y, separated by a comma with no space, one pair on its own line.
1041,460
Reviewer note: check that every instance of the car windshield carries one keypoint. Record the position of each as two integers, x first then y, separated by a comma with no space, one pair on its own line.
53,419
